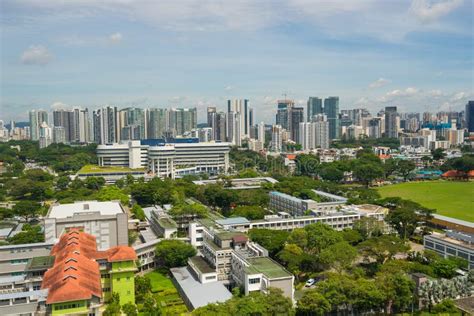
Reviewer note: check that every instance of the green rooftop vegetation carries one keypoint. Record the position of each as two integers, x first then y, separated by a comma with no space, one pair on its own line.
201,264
226,235
88,169
39,263
267,266
167,223
165,294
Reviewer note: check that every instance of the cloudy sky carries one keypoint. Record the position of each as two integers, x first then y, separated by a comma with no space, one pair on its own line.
415,54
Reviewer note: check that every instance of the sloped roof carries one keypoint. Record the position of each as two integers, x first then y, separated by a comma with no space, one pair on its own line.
75,274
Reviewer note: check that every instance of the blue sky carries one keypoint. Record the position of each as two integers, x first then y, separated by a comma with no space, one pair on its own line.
417,55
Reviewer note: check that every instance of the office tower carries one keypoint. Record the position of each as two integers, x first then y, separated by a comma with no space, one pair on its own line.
106,125
251,117
391,126
242,108
233,128
45,135
331,109
59,135
314,106
182,120
375,130
277,138
261,132
156,123
296,117
469,114
283,113
36,119
220,130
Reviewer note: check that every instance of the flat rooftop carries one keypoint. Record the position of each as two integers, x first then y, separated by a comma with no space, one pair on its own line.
199,294
201,264
233,221
91,169
451,240
40,263
167,223
267,267
84,207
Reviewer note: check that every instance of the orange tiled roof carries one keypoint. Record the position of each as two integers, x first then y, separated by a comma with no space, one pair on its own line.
470,173
452,173
75,274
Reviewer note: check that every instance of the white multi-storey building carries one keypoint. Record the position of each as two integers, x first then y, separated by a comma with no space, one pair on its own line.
167,160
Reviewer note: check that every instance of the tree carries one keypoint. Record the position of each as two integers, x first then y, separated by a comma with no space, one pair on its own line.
28,235
405,167
149,306
174,253
382,248
353,237
130,309
445,268
142,287
320,236
111,193
397,289
339,256
138,212
367,172
249,212
330,173
404,221
313,303
62,182
445,307
438,154
185,209
94,183
113,306
27,209
272,240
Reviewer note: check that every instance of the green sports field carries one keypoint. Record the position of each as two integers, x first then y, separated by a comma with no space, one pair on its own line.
449,198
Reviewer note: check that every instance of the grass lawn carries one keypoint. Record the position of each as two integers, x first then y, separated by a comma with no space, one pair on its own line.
449,198
166,294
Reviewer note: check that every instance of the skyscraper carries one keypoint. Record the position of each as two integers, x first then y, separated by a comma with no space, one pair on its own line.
45,135
375,128
106,125
470,116
277,138
65,119
261,132
314,106
233,128
296,117
36,119
156,122
241,107
391,126
331,109
283,113
321,130
220,127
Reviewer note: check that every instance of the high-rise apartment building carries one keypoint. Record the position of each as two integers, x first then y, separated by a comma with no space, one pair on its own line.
391,126
261,132
106,125
156,122
182,120
234,134
241,107
374,128
314,106
470,116
220,129
45,135
277,138
331,109
37,117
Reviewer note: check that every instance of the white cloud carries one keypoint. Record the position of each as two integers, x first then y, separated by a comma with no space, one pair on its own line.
115,38
177,99
379,83
229,88
59,106
36,55
427,11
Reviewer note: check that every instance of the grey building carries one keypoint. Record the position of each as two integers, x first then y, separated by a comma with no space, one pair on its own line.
107,221
314,107
452,243
391,127
331,109
470,116
296,117
156,123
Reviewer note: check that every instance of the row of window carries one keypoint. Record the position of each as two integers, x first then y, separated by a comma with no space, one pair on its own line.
254,281
68,306
19,261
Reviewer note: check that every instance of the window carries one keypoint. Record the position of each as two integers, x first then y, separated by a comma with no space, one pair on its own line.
254,281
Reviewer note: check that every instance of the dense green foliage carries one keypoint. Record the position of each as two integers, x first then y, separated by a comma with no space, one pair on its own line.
173,253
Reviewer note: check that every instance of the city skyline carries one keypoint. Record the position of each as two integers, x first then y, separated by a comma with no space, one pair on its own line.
415,55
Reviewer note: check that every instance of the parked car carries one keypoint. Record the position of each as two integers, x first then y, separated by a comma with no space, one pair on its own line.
310,282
